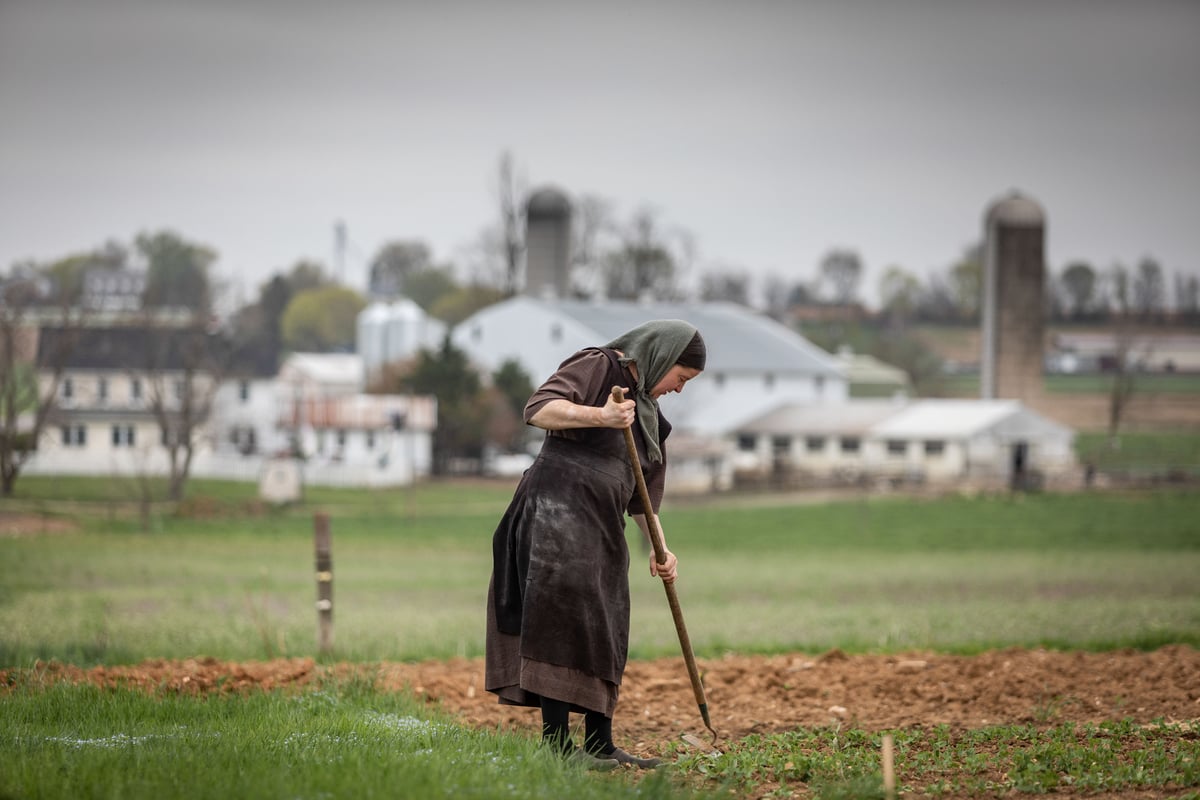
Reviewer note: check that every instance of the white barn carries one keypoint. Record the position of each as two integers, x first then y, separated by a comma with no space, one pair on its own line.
754,363
993,442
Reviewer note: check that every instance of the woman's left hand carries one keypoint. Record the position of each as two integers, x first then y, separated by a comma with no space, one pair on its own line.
667,571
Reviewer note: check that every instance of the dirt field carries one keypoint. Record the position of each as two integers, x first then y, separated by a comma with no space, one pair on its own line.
761,694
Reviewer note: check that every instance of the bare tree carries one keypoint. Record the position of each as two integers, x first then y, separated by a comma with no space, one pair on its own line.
900,294
31,368
647,262
1149,289
592,229
1129,359
729,284
185,366
509,191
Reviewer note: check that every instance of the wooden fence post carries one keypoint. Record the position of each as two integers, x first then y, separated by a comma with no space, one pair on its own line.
324,547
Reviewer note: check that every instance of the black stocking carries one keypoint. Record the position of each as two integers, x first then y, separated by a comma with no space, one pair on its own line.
556,730
598,737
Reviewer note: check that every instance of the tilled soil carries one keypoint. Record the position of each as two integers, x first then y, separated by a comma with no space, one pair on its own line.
751,694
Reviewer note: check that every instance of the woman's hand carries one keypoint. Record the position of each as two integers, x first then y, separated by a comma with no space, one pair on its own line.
617,415
668,571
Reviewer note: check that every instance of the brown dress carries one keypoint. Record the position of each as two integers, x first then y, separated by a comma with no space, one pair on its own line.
558,603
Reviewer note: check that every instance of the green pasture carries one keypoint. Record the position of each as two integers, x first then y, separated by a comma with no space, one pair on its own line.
224,576
1169,383
883,574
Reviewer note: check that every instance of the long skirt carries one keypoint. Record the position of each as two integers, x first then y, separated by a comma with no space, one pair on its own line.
558,603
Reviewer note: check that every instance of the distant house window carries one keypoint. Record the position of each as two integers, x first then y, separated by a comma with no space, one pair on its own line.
102,389
897,447
122,436
556,333
769,380
850,444
243,390
746,442
341,438
935,447
370,440
321,441
180,390
781,445
814,444
68,389
135,388
74,435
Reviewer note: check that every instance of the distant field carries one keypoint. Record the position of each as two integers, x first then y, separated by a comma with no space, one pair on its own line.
1156,383
411,568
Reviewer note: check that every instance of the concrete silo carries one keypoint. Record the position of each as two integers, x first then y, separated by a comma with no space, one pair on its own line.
1013,284
547,244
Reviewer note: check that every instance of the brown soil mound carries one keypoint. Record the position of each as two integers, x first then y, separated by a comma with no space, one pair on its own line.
748,694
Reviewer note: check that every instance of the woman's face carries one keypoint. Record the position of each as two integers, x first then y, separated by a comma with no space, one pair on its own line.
674,380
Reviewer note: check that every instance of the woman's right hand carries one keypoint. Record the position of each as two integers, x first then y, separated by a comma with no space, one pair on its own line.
618,415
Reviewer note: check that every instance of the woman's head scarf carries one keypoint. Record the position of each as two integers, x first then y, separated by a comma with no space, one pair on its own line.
654,347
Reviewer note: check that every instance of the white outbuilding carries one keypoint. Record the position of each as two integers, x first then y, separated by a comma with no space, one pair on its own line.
991,442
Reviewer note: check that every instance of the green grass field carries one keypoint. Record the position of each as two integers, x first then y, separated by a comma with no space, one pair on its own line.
230,579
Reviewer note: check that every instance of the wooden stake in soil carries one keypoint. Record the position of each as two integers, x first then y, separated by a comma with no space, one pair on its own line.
324,547
889,767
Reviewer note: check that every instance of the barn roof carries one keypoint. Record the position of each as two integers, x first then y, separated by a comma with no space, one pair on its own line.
737,337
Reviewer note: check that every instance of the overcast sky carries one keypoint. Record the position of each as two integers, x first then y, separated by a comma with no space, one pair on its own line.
773,131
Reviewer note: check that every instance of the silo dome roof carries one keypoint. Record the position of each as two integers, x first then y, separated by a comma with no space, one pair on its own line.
1017,209
548,202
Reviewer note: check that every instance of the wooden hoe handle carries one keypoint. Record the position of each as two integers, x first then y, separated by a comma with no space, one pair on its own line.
660,555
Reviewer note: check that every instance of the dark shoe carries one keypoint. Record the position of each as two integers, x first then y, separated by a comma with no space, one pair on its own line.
591,762
621,757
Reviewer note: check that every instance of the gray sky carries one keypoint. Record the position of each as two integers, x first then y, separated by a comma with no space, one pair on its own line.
771,130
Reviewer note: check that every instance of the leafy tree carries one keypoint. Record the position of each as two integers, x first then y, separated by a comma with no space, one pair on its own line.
841,270
322,319
392,265
176,271
426,287
966,284
448,375
464,301
67,274
1079,285
27,404
506,425
514,383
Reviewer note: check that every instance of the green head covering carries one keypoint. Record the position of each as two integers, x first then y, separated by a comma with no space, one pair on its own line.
654,347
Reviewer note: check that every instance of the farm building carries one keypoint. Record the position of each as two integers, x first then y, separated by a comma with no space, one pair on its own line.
754,363
923,441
